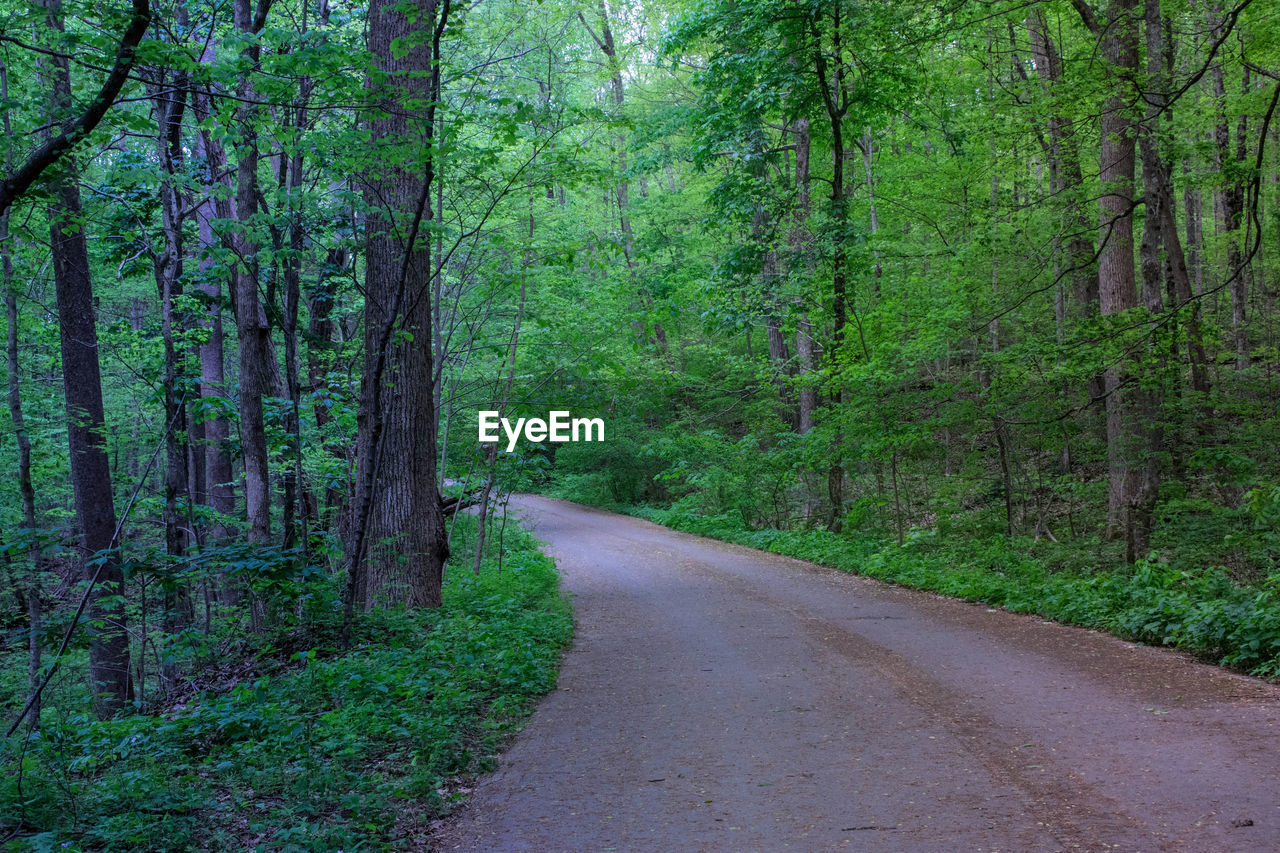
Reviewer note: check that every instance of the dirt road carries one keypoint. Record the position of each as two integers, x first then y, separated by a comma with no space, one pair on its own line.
718,698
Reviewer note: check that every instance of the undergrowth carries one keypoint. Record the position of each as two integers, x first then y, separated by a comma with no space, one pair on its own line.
350,750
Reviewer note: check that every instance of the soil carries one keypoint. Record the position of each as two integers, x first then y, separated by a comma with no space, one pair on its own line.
720,698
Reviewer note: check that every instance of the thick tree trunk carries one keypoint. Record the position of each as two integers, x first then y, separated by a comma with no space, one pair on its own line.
86,431
1117,281
253,333
397,503
219,475
86,422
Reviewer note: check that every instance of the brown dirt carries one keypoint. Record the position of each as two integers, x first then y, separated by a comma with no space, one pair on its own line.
720,698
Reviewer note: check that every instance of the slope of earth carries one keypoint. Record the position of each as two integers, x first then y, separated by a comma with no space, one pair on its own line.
720,698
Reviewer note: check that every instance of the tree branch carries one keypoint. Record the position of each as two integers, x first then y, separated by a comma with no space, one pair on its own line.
73,131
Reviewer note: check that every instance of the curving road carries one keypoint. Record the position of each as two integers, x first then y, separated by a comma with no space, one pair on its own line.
719,698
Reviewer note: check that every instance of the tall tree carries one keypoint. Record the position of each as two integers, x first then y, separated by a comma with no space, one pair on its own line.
86,421
257,357
1117,35
219,488
397,546
829,66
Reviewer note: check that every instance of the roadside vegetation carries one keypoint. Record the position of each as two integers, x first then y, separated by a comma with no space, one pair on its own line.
287,742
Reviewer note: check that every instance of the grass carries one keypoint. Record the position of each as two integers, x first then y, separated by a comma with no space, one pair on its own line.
355,751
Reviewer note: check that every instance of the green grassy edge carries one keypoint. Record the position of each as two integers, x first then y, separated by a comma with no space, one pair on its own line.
359,750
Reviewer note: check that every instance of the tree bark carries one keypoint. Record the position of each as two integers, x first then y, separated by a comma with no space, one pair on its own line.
1117,281
86,422
397,503
1231,195
252,330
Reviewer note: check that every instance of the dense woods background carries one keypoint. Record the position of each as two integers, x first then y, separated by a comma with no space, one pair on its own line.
981,296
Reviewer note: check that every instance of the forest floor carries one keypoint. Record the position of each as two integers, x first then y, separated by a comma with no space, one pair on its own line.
721,698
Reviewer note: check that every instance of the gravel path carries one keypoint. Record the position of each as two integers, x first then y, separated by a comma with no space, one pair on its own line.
719,698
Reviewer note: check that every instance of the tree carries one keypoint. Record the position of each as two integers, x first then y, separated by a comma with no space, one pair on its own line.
256,356
86,421
398,541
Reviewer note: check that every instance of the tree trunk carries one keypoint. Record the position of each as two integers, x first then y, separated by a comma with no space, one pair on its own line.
219,475
831,83
1117,290
1231,200
397,501
86,422
252,330
170,99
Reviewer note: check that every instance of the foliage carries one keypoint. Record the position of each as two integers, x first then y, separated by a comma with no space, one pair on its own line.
323,750
828,271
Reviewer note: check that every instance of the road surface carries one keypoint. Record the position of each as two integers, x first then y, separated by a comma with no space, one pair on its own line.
719,698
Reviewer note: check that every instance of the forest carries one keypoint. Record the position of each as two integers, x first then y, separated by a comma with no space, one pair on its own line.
978,296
